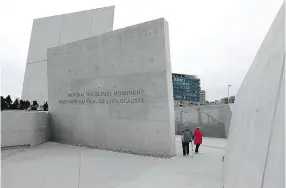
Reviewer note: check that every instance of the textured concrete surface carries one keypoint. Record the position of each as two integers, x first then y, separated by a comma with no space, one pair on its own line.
114,90
24,128
214,120
255,156
57,30
53,165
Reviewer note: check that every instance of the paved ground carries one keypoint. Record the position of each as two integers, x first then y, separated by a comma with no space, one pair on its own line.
53,165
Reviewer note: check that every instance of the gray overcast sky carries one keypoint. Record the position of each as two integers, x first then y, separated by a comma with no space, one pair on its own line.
214,39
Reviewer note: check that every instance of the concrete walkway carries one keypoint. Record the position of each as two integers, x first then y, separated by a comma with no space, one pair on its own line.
53,165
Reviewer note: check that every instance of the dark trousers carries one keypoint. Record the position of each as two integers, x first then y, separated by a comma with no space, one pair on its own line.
197,148
185,146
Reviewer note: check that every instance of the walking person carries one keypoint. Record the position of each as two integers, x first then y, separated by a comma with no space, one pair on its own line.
187,137
198,139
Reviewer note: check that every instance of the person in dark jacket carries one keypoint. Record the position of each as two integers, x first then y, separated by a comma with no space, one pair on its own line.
187,137
198,139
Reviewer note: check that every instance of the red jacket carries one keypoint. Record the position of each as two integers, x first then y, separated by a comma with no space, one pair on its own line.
198,136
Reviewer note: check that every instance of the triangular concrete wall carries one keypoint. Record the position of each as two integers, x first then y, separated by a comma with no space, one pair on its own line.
53,31
255,152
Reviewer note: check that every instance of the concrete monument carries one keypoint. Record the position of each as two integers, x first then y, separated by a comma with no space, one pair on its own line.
57,30
255,156
114,91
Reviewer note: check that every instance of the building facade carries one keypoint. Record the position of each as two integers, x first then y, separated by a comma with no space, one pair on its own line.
186,88
203,97
227,100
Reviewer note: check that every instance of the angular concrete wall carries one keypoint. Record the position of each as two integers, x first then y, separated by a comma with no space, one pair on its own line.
214,120
24,128
57,30
84,79
255,151
274,173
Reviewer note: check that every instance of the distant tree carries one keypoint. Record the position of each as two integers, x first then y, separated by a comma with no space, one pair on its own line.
35,105
231,99
46,106
15,104
224,100
27,105
8,101
3,103
22,105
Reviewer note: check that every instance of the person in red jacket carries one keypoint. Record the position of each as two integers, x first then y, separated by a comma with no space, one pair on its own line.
198,138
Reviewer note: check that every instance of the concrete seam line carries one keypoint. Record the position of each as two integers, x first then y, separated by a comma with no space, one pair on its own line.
12,154
138,175
79,169
40,61
91,22
61,27
273,117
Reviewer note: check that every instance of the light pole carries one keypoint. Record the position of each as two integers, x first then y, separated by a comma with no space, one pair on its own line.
228,91
181,117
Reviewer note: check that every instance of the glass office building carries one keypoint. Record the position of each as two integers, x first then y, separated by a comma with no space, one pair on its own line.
186,87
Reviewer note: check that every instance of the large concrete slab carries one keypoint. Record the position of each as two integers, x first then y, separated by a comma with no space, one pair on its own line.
71,33
20,128
56,30
255,151
114,90
274,168
53,165
35,82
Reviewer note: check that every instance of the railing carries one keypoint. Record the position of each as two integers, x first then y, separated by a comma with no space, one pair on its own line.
212,119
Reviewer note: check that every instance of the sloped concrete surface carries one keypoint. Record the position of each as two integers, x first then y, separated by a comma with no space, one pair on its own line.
255,156
57,30
53,165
